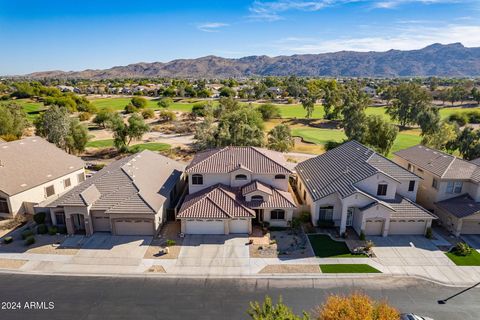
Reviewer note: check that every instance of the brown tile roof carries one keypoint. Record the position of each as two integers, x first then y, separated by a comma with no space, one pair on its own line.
441,164
461,206
256,186
401,208
277,198
31,162
228,159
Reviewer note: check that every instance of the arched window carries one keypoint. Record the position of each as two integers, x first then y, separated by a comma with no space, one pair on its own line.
257,198
240,177
197,179
277,214
280,176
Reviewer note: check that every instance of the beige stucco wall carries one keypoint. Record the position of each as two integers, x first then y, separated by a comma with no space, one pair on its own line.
278,223
370,185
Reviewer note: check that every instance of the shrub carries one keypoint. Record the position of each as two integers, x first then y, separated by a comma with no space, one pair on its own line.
139,102
165,102
42,229
296,222
269,310
473,116
130,108
429,234
30,240
7,240
305,217
462,249
369,245
62,229
362,236
166,115
332,145
26,233
84,116
52,230
269,111
460,118
171,242
148,113
39,218
326,223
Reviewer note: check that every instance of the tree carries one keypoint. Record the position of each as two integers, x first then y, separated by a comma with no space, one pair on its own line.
54,125
227,92
355,101
165,102
388,94
429,120
139,102
202,109
443,138
13,120
103,116
267,310
410,100
357,306
124,133
269,111
77,137
308,104
468,143
280,138
380,134
476,95
332,100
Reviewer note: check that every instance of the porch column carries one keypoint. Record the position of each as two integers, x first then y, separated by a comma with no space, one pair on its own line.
343,219
386,227
68,224
458,228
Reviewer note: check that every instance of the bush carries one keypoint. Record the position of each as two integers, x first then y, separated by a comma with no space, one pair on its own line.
52,230
165,102
429,234
30,240
269,111
26,233
42,229
362,236
166,115
332,145
473,116
84,116
148,113
7,240
62,229
460,118
39,218
326,223
305,217
130,108
171,242
462,249
296,222
139,102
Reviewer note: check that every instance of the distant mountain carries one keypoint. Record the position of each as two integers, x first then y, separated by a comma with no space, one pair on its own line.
452,60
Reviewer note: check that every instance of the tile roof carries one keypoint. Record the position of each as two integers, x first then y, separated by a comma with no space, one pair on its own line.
31,162
461,206
256,186
136,184
228,159
338,170
441,164
401,208
476,161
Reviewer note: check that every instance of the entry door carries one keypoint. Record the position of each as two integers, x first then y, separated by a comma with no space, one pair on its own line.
350,216
78,222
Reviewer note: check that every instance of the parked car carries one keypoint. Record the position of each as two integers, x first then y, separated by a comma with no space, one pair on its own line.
411,316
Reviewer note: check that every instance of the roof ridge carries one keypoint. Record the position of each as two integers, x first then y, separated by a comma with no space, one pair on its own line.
265,156
448,167
280,192
208,157
207,197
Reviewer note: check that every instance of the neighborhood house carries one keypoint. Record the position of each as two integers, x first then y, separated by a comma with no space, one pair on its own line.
353,186
33,170
230,187
131,196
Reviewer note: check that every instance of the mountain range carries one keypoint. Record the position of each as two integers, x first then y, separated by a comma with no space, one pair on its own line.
451,60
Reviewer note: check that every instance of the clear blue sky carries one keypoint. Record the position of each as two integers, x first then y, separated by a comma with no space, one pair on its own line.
76,35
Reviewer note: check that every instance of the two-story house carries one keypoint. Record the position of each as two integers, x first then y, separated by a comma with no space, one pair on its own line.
450,187
231,186
353,186
32,170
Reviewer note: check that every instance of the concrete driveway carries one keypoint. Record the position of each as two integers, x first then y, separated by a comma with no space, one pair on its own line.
473,240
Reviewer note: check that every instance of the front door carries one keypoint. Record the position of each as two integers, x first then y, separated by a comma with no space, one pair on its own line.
78,221
350,216
258,215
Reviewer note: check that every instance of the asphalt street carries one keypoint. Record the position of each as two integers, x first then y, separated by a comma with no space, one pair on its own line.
71,297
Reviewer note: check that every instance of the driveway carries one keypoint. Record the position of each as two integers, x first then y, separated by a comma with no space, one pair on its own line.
473,240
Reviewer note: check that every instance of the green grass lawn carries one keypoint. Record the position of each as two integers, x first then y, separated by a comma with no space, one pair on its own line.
119,104
152,146
100,143
31,108
325,247
348,268
471,260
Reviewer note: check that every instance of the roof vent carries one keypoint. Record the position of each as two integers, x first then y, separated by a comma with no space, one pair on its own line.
23,185
49,175
1,164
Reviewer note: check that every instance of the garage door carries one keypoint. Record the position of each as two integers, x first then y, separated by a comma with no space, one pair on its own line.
204,227
134,227
239,225
374,227
101,222
407,227
470,227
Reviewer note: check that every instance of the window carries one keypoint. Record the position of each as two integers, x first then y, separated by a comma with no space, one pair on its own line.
4,206
277,214
304,195
60,217
454,186
67,183
50,191
420,170
410,167
435,183
411,185
280,176
197,179
81,177
257,198
325,213
240,177
382,189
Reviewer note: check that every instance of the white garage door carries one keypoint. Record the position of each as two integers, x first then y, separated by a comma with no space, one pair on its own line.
404,226
470,227
239,225
101,222
204,227
374,227
134,227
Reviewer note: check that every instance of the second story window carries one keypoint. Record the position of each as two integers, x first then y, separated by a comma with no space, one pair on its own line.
4,206
67,183
81,177
197,179
435,183
50,191
257,198
382,189
454,186
280,176
411,185
240,177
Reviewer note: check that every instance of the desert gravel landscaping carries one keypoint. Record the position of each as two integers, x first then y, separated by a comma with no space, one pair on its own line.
156,269
291,268
11,263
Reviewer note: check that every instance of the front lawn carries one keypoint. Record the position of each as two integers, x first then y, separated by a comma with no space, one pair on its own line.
472,259
325,247
348,268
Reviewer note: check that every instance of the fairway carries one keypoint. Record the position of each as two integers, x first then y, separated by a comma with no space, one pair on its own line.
31,108
119,104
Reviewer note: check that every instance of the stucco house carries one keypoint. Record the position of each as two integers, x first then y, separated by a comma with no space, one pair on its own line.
229,187
450,187
33,170
353,186
131,196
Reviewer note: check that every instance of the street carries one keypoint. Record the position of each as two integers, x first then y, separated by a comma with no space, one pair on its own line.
72,297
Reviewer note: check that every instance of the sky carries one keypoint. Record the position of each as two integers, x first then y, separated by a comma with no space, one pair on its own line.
39,35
